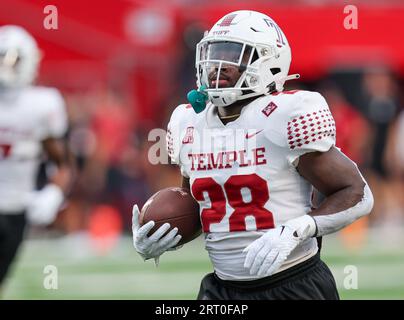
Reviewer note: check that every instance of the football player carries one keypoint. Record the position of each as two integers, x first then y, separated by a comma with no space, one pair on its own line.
263,150
32,120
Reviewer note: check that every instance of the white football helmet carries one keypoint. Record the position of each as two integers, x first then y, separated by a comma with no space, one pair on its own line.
255,44
19,57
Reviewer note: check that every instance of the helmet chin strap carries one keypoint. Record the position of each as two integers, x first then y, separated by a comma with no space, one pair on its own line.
225,99
198,98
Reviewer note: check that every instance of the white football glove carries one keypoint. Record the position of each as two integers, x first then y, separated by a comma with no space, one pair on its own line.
43,205
155,245
267,254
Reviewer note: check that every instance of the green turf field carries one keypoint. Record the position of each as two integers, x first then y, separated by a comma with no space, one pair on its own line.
121,274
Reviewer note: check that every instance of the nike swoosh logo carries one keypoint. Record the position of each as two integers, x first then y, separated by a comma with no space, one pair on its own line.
248,136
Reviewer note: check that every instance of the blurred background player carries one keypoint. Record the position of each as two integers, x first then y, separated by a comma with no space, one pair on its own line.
32,122
255,192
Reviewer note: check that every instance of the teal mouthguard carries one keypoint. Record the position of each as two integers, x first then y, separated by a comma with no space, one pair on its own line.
197,99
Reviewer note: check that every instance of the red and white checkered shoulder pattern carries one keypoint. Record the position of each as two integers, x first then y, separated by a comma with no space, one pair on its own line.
309,128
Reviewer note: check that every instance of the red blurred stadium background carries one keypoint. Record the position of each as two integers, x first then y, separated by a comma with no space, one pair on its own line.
138,43
123,66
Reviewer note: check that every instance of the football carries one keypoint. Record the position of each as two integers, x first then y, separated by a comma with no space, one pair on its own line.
176,206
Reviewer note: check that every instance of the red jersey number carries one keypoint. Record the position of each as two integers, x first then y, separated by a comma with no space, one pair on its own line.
5,150
258,190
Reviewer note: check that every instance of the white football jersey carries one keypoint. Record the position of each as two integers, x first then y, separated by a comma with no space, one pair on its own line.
243,174
27,117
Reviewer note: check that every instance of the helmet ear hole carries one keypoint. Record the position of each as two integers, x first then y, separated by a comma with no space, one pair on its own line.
275,70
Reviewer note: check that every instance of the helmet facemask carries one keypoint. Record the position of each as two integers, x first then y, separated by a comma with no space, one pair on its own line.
253,62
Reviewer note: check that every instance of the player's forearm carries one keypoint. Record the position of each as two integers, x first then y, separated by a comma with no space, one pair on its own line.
61,157
340,200
63,178
342,208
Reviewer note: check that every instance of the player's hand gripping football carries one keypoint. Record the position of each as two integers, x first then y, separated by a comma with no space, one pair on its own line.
267,254
156,244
